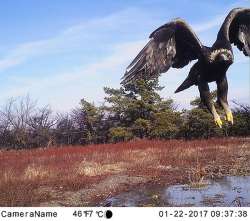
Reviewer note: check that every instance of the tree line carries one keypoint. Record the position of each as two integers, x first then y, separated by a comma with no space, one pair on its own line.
129,112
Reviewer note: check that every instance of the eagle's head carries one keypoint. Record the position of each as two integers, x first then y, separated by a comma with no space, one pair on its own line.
221,56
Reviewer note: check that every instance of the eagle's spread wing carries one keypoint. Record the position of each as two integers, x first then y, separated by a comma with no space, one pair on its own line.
236,29
171,45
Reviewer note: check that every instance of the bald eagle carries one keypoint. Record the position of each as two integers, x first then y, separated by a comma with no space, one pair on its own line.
175,44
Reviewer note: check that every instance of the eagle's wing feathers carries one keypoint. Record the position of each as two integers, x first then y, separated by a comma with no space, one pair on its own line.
171,45
236,29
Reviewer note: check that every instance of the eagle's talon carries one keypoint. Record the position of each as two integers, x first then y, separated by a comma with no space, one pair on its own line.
229,116
218,122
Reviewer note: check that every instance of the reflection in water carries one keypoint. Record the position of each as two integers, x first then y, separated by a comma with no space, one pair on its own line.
223,192
228,191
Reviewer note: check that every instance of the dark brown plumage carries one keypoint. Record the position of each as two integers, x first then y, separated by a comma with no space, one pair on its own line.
175,45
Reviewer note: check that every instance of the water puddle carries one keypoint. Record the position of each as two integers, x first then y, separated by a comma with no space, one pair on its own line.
227,191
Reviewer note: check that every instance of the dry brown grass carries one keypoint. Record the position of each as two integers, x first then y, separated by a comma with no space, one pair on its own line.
33,172
96,169
52,175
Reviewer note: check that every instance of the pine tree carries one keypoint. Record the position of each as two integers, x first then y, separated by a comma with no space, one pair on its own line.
139,108
198,122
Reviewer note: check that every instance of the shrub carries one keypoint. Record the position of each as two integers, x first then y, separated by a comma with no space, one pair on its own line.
118,134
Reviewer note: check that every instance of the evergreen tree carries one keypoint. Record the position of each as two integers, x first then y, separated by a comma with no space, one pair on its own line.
89,119
198,122
241,126
139,108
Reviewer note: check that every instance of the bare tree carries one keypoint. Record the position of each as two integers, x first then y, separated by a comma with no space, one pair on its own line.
41,124
14,116
23,124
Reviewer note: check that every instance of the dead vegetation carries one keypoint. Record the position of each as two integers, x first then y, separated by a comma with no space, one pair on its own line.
82,176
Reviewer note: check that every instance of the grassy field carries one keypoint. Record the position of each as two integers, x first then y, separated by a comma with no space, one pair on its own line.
84,176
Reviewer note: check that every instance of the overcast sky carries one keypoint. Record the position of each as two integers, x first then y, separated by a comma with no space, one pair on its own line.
61,51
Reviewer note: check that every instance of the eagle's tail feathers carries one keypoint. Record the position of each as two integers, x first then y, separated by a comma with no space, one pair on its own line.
185,85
